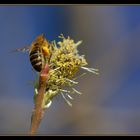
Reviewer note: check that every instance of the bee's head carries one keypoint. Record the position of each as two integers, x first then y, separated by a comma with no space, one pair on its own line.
39,40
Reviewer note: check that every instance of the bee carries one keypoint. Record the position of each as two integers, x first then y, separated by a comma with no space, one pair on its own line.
39,52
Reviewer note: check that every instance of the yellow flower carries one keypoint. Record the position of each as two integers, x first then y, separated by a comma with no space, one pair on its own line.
64,63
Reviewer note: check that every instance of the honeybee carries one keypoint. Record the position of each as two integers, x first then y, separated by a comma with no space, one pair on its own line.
38,52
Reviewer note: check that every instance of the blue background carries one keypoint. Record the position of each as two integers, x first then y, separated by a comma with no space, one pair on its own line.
110,102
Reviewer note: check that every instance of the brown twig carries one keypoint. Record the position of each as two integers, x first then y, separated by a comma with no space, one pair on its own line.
38,112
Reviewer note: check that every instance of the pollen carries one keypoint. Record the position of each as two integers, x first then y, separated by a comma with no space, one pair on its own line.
65,61
45,51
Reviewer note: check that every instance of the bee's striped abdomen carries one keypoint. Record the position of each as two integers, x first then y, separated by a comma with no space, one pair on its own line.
36,59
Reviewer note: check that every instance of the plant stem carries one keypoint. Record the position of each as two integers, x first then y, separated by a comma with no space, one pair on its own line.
38,111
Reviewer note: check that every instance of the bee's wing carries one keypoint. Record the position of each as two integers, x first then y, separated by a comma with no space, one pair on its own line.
24,49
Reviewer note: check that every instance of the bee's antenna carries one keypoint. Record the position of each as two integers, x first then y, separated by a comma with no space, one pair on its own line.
43,35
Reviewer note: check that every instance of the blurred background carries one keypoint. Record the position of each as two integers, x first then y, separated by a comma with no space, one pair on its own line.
110,103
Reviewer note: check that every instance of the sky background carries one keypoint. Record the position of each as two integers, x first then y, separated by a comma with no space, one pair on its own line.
109,103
